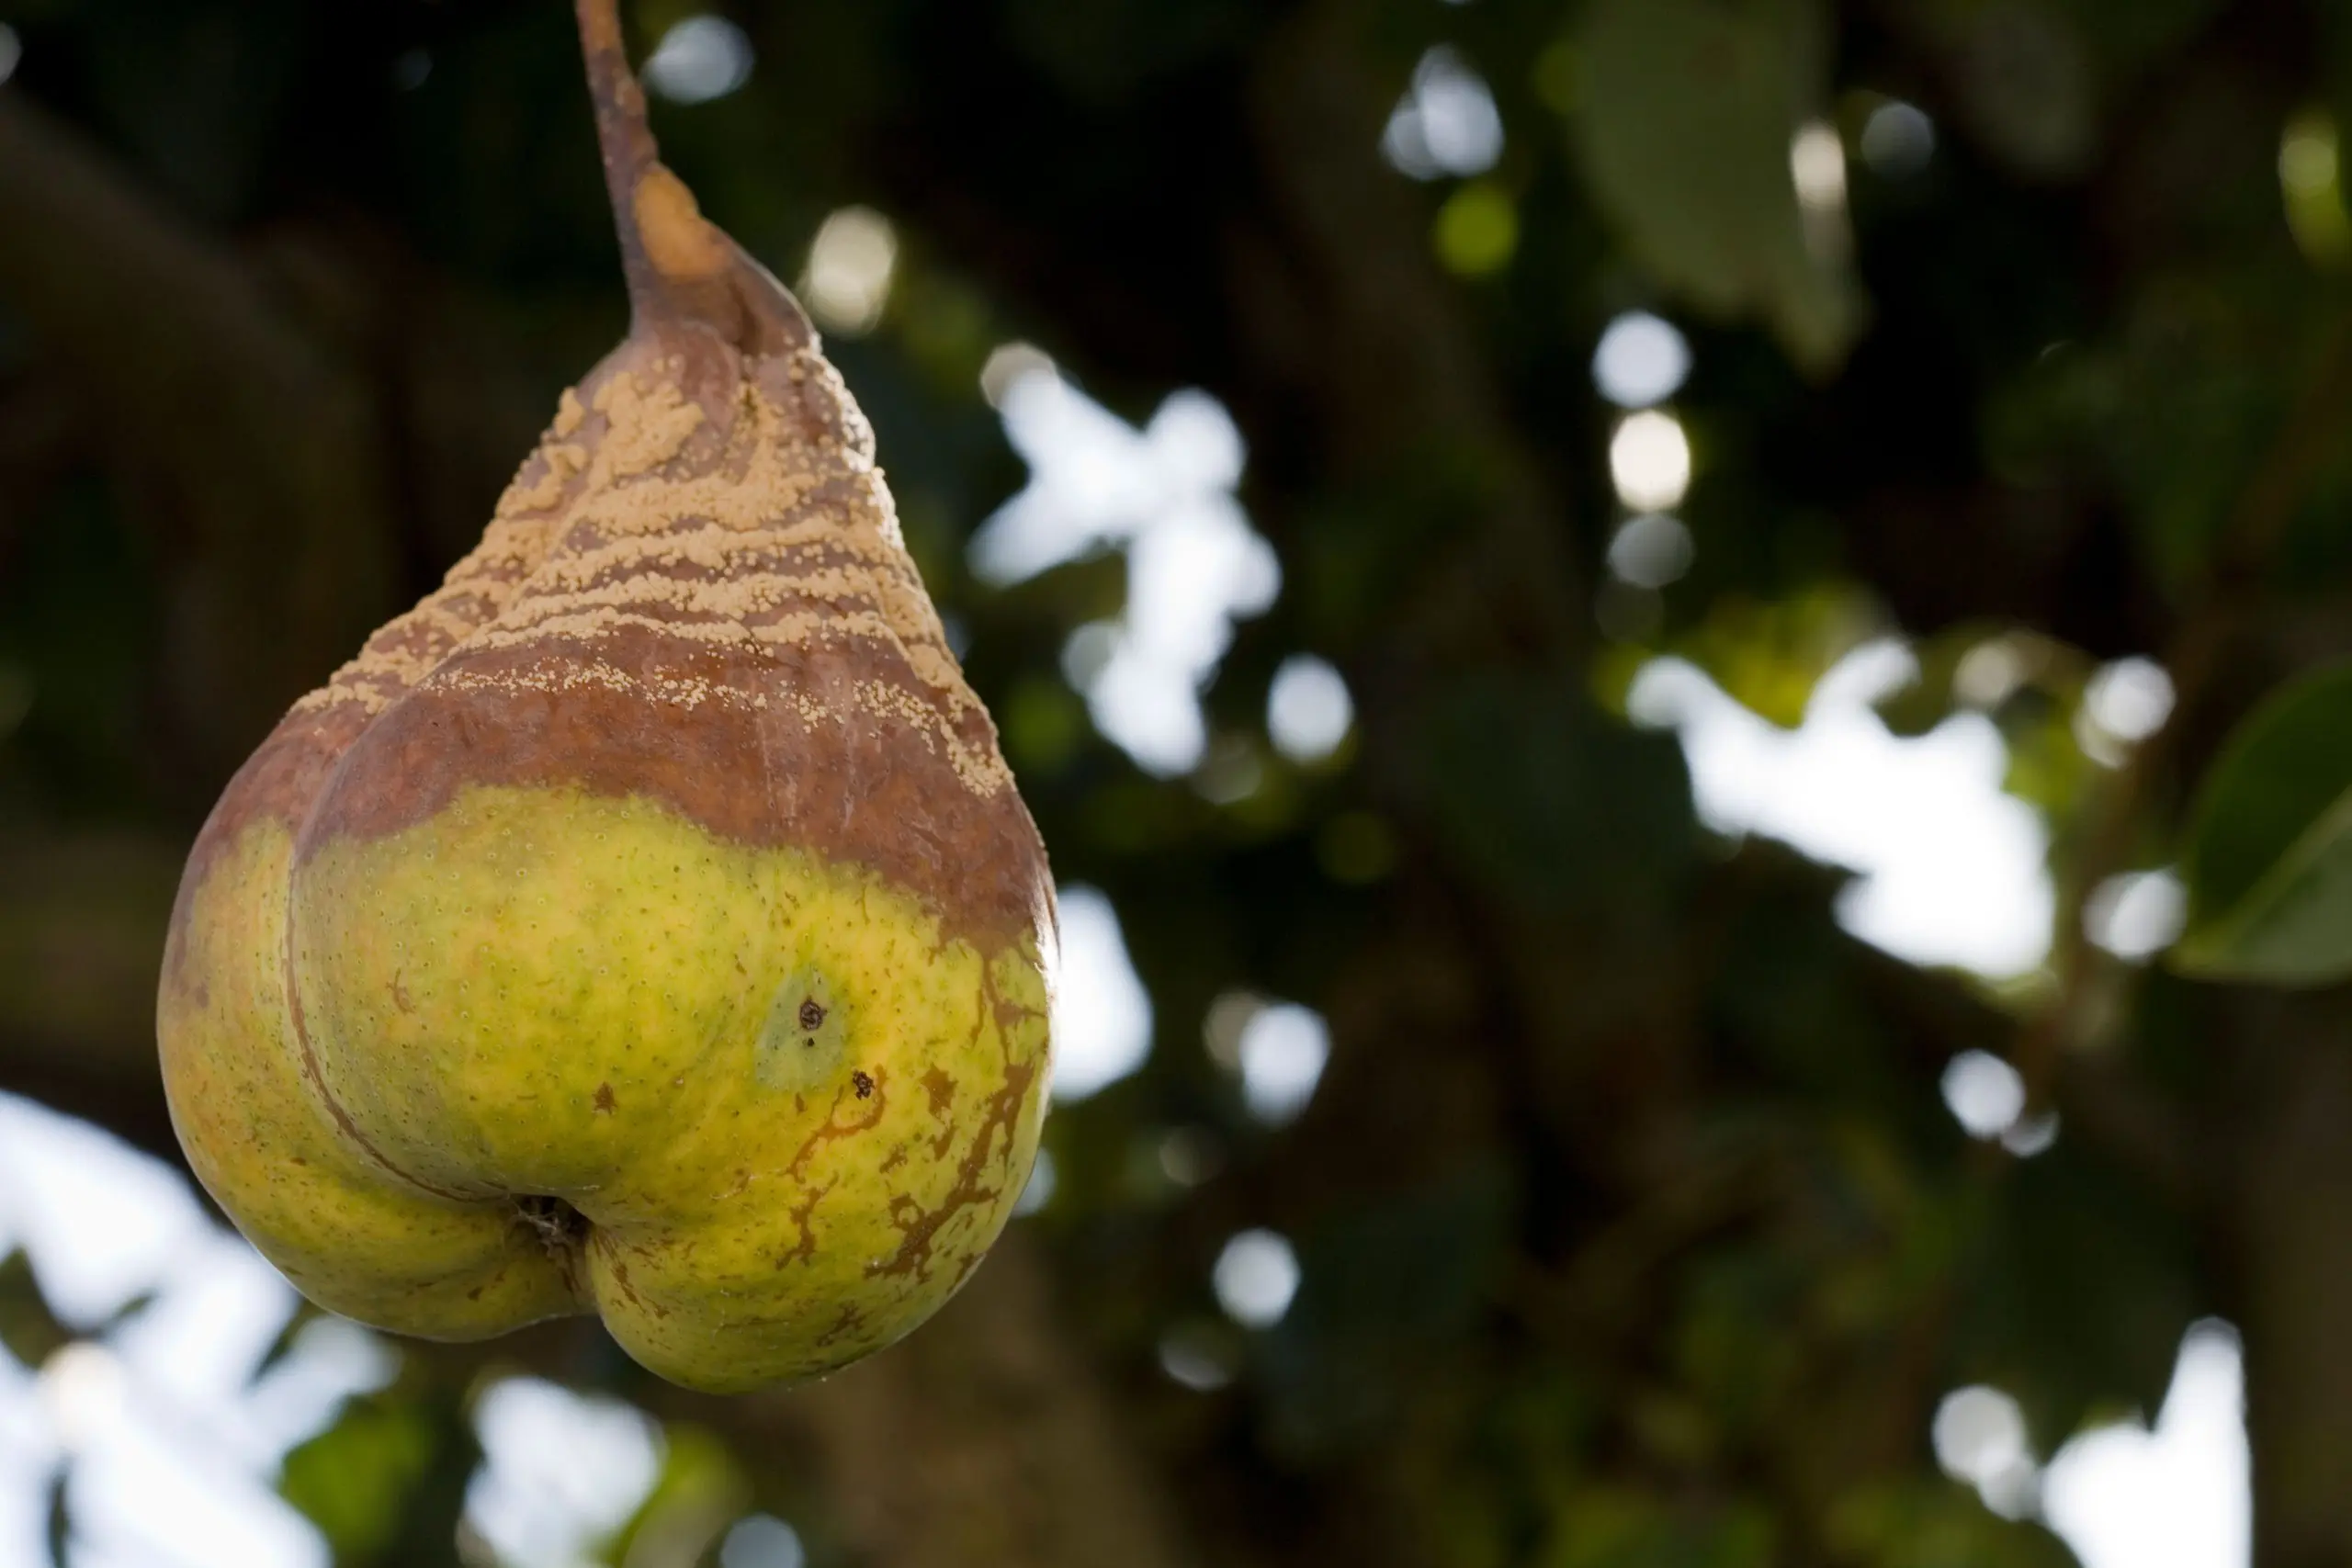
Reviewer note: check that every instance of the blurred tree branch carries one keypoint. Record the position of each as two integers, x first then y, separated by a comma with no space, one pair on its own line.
259,449
984,1439
81,938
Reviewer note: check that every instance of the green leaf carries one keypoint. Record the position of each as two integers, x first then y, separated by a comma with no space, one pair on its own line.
2269,860
700,1492
1541,797
1686,112
356,1479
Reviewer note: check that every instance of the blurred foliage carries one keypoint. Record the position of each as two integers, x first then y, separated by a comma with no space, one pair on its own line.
27,1328
1633,1229
2269,858
359,1481
1684,110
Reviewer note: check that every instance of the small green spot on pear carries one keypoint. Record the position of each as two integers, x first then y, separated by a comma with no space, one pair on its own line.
804,1042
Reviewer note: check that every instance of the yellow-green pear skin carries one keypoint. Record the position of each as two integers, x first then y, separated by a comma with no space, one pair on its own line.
646,923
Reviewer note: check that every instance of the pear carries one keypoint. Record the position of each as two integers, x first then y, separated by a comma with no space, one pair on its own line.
646,923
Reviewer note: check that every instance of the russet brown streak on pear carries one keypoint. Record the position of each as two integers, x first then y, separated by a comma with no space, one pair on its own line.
848,1321
941,1090
835,1129
804,1213
607,744
921,1229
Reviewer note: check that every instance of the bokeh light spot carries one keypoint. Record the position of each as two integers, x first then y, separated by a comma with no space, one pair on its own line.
1978,1432
762,1540
1640,360
1197,1356
1007,363
1255,1277
1651,550
1649,460
1282,1051
1818,165
1446,123
1308,710
1897,141
1984,1093
850,264
700,59
2128,699
2137,915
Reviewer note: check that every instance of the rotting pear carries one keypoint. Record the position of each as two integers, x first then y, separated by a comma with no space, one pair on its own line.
645,923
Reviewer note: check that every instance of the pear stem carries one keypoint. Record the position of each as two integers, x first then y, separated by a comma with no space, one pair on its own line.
684,274
630,151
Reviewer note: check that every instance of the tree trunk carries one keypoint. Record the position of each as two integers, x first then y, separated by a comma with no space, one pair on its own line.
2294,1241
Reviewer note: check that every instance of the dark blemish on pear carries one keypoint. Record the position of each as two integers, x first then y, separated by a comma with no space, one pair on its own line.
803,1043
863,1085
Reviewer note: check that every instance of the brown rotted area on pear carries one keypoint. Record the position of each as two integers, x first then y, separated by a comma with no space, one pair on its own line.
872,794
879,793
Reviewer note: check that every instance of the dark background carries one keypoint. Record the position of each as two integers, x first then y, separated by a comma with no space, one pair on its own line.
1633,1229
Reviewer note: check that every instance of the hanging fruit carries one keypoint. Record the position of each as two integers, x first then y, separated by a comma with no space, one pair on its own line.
646,922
